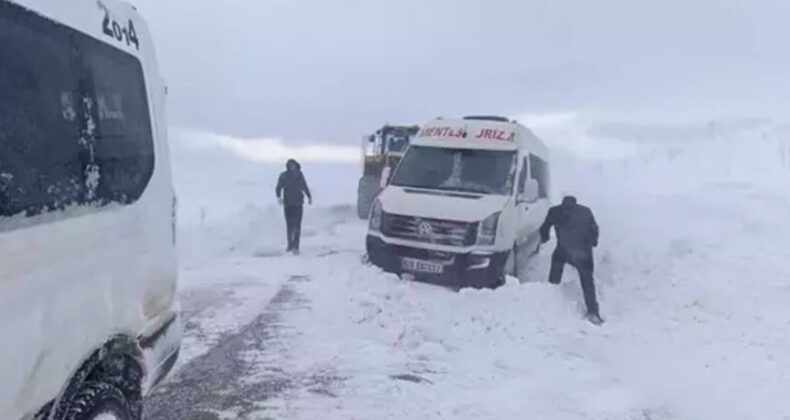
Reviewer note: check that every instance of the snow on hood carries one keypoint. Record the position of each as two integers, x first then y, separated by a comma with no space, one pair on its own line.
441,205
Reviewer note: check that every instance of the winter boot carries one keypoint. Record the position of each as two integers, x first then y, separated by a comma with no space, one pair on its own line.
595,319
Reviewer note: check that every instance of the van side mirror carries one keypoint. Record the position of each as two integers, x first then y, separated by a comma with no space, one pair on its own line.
385,176
531,192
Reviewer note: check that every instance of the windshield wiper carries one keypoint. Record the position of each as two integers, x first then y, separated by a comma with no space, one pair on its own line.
461,189
474,190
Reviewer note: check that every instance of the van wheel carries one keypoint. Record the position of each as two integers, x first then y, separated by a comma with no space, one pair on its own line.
506,269
99,401
499,283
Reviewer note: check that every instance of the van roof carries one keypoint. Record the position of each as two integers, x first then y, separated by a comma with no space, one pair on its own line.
479,133
486,118
96,18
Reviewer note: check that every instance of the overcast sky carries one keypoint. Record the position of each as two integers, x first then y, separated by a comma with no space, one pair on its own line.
330,70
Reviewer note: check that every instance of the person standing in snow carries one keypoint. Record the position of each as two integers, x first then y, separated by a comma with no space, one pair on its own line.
291,191
577,235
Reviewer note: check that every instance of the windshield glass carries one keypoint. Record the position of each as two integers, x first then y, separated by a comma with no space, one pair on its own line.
465,170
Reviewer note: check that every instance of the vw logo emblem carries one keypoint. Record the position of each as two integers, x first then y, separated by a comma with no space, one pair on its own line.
425,231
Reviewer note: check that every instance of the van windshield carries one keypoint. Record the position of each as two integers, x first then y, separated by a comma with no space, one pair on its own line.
464,170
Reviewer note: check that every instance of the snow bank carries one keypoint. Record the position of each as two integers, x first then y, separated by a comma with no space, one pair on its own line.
416,351
693,262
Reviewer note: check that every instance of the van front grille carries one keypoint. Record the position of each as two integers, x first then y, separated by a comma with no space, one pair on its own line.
435,231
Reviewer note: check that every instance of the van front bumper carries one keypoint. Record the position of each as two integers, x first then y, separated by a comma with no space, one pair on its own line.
460,270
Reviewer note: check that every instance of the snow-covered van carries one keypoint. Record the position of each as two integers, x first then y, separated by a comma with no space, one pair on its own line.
465,204
89,316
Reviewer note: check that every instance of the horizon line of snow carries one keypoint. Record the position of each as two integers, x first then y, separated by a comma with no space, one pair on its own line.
264,150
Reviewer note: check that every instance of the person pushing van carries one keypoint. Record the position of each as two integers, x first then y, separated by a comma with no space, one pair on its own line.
577,235
291,191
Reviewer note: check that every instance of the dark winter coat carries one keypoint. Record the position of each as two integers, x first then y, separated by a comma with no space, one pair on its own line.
291,186
577,231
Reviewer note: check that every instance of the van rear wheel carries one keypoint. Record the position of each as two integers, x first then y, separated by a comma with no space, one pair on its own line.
99,401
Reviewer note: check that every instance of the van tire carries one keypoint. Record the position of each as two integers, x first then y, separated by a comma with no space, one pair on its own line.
500,273
499,282
367,191
96,399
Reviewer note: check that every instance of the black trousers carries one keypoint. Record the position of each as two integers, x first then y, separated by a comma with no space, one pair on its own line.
583,263
293,224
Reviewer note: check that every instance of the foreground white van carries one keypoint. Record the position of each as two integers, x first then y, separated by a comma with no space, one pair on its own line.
89,318
465,205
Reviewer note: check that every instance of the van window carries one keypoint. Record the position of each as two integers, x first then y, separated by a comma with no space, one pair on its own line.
539,171
75,128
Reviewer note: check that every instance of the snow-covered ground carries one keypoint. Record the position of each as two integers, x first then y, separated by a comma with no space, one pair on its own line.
694,284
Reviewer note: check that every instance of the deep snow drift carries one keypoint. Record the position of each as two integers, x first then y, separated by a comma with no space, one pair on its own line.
694,283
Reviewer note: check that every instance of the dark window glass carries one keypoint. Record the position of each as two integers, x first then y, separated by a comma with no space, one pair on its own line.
123,143
539,171
75,127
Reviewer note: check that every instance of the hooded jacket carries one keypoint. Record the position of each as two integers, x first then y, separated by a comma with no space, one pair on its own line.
291,185
577,231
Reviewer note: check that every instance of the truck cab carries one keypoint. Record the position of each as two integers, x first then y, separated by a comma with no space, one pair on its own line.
465,204
382,151
89,310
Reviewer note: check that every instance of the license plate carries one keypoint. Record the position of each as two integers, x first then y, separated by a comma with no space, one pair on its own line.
411,264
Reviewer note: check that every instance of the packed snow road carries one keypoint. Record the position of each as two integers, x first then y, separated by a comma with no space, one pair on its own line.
210,384
693,283
236,303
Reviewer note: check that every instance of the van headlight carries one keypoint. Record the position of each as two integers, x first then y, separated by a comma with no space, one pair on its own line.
376,214
486,234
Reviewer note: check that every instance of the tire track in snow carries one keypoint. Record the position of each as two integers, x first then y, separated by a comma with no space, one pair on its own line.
243,372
